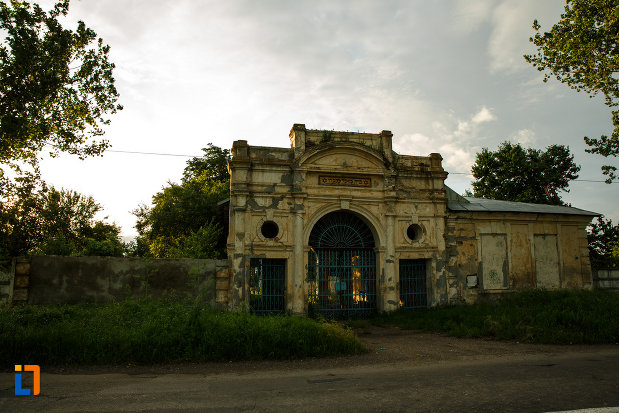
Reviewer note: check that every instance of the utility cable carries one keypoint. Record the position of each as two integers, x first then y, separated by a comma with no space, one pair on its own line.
197,156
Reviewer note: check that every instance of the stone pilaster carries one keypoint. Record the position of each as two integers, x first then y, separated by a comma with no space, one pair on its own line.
296,281
389,292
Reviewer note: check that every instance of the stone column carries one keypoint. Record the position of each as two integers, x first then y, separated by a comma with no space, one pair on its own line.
388,288
239,167
238,287
297,139
296,281
386,143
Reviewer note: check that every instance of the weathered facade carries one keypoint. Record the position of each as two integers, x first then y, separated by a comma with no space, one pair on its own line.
341,223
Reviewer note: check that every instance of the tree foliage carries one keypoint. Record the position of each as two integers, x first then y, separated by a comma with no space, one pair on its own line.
40,219
513,173
56,85
582,50
213,166
182,221
603,238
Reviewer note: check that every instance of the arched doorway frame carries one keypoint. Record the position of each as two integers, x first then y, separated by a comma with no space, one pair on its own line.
368,219
363,213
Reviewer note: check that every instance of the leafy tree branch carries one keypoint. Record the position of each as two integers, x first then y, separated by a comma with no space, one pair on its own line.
513,173
582,51
57,88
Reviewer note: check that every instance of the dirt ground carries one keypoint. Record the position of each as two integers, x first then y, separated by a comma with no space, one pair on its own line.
386,346
404,371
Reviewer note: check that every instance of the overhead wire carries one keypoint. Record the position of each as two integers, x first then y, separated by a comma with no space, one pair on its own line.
577,180
198,156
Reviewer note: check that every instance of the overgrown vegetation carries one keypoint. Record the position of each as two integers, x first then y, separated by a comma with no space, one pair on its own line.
183,220
514,173
536,316
151,331
603,239
37,219
581,50
57,90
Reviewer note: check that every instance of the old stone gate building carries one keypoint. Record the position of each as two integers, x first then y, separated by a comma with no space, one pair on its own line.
339,223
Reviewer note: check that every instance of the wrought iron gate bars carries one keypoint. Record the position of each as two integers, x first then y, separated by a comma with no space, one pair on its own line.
413,292
267,285
342,281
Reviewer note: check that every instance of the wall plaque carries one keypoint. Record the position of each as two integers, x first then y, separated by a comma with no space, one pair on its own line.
345,181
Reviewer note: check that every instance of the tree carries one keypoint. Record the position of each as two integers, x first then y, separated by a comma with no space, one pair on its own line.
182,221
56,85
513,173
603,238
582,50
213,166
44,220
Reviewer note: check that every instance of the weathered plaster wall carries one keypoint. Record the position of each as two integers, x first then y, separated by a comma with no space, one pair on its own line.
466,253
294,188
57,279
512,251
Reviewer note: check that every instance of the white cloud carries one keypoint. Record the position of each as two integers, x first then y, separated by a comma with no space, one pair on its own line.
458,143
471,14
192,72
455,156
525,137
511,29
468,128
484,115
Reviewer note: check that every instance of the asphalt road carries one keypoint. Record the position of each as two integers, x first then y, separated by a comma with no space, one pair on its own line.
518,383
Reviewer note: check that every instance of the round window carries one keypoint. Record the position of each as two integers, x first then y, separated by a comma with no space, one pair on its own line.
269,229
414,232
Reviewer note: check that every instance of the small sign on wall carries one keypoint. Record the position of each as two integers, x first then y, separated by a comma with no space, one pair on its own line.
345,181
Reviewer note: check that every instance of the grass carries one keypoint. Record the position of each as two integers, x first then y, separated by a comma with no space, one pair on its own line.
151,331
535,316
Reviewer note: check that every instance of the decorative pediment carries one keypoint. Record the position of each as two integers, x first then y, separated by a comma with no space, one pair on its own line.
349,157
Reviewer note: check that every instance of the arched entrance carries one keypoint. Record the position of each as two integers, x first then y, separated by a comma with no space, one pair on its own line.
341,267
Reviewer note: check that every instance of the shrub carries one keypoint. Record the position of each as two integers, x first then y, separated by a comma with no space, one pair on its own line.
150,331
536,316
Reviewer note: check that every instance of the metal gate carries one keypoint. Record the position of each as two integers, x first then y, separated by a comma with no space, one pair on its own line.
267,285
342,267
413,292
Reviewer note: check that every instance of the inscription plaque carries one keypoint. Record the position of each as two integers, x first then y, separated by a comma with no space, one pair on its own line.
345,181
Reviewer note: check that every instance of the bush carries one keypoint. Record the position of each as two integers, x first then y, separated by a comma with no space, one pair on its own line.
151,331
535,316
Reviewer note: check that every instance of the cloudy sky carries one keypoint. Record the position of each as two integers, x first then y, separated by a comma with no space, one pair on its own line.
444,76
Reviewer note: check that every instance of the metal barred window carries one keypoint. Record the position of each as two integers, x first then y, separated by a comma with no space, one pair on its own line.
267,285
342,267
413,291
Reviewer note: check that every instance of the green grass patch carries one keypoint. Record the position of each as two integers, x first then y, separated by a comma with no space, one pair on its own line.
535,316
160,331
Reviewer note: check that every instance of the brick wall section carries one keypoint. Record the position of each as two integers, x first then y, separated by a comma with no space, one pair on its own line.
57,279
222,287
21,280
7,278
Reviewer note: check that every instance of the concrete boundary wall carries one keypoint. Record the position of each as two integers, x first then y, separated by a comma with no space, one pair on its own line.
60,279
6,284
606,279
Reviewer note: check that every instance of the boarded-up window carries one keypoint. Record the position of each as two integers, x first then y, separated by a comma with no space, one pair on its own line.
570,253
546,261
494,261
521,269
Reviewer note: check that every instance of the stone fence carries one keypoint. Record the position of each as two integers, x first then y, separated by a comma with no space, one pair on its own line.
59,279
606,279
